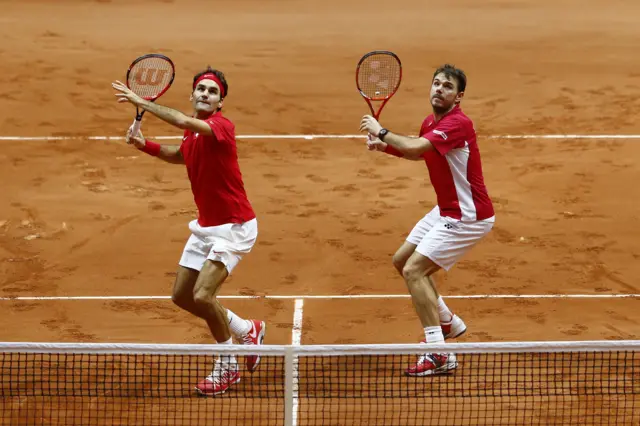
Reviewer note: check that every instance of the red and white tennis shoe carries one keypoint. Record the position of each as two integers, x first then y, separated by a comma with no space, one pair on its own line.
455,328
220,379
255,336
432,365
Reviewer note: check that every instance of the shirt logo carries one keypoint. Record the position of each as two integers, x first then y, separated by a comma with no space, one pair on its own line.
442,134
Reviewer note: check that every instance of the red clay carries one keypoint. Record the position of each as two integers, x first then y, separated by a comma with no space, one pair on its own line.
82,217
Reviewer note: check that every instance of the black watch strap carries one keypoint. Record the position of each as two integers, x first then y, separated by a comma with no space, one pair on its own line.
382,133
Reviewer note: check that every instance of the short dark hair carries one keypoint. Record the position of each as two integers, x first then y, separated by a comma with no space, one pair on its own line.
451,71
217,73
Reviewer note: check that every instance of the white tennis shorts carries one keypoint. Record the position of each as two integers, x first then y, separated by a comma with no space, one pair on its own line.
445,240
226,243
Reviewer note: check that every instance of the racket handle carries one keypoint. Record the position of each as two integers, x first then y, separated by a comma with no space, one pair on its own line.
136,127
369,140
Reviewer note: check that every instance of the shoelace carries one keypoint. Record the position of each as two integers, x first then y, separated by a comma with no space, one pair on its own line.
220,373
435,359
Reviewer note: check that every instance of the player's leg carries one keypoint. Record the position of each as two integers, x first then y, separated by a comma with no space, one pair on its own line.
403,254
183,296
189,273
205,290
191,262
423,295
230,244
441,247
452,325
226,244
416,273
225,371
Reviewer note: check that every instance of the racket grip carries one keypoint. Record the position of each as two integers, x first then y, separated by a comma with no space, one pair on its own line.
136,127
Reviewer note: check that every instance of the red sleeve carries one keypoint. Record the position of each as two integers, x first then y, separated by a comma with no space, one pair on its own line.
450,133
223,130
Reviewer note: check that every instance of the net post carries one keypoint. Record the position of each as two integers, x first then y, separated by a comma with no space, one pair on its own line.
288,387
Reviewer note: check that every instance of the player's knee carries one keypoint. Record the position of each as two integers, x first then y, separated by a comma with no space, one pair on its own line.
203,298
178,299
399,262
412,272
181,299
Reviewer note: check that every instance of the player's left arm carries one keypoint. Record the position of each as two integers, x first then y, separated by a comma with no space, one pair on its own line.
170,115
177,118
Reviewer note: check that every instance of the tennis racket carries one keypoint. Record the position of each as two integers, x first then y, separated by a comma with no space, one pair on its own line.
149,77
378,77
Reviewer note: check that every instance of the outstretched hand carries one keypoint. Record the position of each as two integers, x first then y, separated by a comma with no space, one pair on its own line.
126,95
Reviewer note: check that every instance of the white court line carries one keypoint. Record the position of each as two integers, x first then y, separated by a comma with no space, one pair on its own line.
341,296
618,136
311,137
296,337
296,333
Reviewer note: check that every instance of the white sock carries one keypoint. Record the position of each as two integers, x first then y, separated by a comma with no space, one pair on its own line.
434,334
228,360
238,326
445,314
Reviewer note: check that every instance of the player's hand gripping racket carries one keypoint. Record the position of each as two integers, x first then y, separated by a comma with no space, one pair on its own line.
378,77
149,77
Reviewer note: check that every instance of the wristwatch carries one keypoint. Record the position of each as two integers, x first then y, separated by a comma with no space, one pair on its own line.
382,133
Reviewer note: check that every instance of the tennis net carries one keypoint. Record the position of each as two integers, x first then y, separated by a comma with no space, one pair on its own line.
520,383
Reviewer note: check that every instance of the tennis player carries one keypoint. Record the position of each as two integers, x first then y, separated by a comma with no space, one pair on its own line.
226,228
463,216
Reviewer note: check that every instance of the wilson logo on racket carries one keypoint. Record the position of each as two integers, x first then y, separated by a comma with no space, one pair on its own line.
150,76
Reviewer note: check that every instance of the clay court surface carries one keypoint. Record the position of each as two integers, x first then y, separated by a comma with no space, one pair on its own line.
87,217
82,217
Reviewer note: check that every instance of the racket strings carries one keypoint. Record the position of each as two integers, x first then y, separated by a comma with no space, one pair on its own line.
379,76
149,77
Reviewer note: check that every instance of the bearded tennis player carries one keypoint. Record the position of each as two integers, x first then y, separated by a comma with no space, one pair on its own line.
463,216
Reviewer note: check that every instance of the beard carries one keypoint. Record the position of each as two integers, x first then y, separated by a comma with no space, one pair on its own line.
442,108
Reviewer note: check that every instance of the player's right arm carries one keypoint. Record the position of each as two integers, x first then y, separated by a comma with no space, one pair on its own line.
400,146
169,153
377,145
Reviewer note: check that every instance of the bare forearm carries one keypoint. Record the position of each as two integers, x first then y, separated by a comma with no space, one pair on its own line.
406,147
171,154
401,143
171,116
